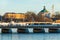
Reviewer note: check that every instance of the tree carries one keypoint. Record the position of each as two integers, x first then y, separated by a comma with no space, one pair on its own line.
31,16
40,17
57,16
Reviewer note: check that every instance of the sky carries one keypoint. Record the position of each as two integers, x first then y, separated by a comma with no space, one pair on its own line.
22,6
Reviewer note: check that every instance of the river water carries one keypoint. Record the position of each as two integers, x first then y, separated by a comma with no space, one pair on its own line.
30,36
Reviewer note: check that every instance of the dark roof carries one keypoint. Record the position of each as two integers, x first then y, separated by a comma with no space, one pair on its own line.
44,10
13,13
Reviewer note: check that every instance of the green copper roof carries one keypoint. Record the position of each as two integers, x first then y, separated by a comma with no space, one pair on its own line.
44,10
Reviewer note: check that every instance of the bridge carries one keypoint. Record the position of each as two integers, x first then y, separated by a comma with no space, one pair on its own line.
23,26
30,25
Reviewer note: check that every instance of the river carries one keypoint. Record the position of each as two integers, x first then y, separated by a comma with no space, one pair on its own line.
30,36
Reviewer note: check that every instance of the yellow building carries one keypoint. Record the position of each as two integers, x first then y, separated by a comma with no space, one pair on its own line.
20,16
57,21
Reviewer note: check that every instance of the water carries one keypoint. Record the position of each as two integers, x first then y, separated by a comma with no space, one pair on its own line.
31,36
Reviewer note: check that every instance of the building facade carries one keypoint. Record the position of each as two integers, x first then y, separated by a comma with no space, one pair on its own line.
44,15
14,17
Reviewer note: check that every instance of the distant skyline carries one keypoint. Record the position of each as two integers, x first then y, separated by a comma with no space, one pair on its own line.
22,6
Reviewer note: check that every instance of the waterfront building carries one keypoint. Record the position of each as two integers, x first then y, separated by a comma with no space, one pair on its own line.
14,17
43,12
44,15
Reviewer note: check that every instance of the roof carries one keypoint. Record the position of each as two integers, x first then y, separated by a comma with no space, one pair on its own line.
13,13
44,10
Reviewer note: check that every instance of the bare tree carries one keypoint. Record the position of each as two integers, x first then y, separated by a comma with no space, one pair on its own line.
31,16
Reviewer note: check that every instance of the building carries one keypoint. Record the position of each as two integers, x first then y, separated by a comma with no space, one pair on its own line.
44,15
14,17
44,12
57,21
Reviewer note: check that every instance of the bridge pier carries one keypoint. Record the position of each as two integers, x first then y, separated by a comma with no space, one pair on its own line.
20,30
38,30
46,30
6,30
30,30
14,30
0,30
54,30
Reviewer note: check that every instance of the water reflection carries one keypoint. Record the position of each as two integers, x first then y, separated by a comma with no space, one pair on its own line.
31,36
15,37
0,37
6,36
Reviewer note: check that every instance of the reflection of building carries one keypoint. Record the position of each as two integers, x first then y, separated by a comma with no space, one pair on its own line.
14,16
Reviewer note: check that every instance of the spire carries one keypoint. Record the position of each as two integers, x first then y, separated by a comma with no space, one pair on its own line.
52,8
52,11
44,8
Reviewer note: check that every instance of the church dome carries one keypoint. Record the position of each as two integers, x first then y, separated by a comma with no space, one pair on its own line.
44,10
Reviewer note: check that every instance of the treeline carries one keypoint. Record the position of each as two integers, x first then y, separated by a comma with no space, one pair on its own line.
31,16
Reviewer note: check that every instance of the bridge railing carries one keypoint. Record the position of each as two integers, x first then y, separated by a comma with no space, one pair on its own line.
28,23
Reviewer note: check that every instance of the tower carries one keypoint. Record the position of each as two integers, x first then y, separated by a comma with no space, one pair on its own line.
44,8
52,12
52,9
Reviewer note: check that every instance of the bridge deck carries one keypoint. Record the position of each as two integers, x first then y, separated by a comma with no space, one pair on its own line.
32,26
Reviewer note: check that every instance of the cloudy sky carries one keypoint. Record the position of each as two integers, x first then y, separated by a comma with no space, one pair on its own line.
27,5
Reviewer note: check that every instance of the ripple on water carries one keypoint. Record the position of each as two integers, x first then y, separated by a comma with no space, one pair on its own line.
31,36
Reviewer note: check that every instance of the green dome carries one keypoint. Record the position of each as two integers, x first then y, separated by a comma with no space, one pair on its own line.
44,10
